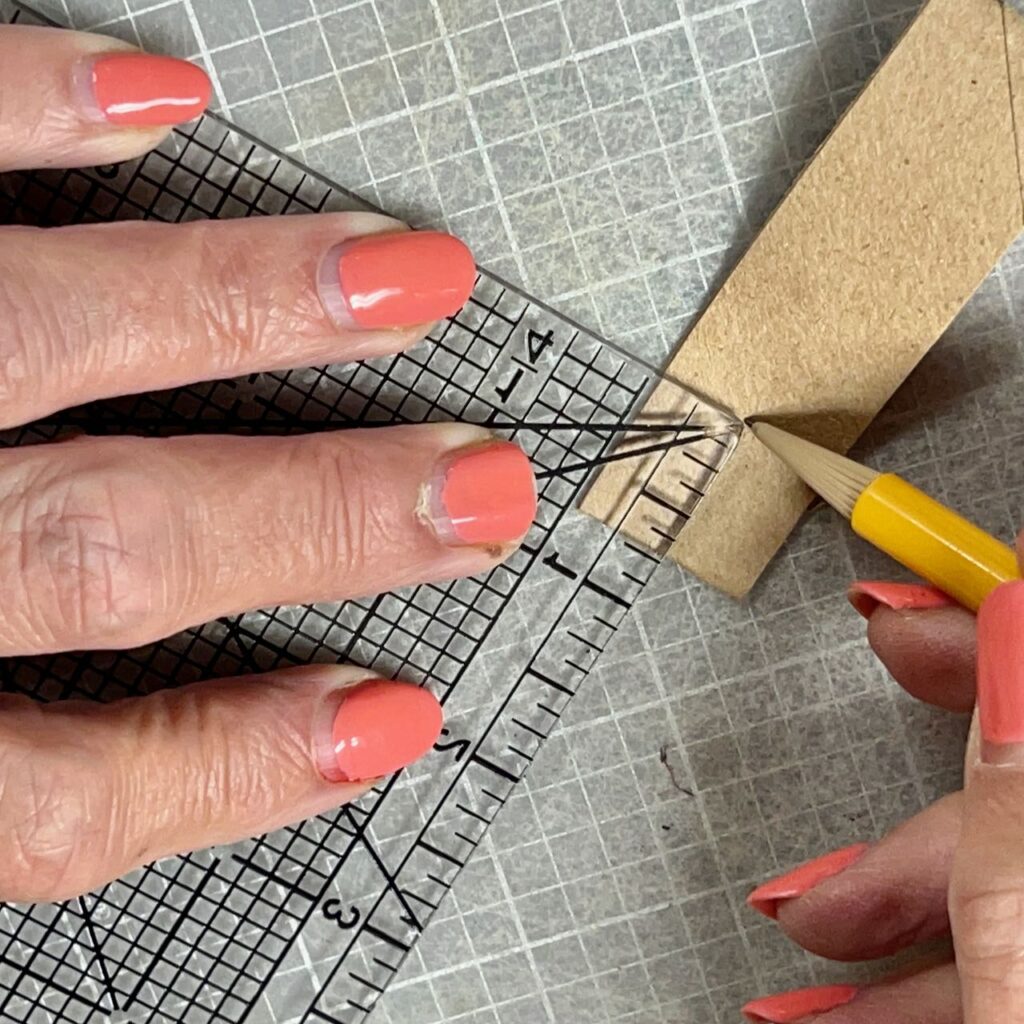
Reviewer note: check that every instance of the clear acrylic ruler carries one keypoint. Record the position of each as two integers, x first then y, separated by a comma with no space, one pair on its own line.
310,923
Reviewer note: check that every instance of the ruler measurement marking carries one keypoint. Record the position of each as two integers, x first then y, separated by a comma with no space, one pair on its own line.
473,814
551,682
646,555
325,1016
377,933
605,593
491,766
444,855
661,502
529,728
586,643
389,881
363,981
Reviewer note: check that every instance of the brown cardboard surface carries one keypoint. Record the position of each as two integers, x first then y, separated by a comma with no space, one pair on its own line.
896,221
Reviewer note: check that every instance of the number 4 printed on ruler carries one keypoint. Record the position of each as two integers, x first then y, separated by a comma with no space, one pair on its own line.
536,344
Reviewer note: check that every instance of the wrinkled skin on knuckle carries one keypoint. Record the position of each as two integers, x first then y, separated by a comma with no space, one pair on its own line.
89,549
231,780
989,930
195,296
349,506
242,322
30,332
58,829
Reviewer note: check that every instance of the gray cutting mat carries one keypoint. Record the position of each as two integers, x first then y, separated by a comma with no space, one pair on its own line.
614,157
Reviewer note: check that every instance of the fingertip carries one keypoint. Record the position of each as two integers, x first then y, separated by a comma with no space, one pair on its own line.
481,495
398,279
767,899
377,727
867,596
1001,674
136,89
81,99
930,653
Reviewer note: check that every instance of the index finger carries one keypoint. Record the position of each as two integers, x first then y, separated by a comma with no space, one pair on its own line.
73,99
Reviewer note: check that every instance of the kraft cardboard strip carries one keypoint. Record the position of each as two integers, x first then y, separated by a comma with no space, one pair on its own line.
895,222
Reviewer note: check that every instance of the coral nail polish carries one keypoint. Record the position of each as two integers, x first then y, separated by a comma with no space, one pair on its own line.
794,1006
765,899
399,279
484,494
1001,671
867,595
380,727
141,89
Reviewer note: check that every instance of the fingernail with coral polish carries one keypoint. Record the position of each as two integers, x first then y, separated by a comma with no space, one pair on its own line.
867,595
481,495
141,90
1001,675
795,1006
375,728
765,899
397,279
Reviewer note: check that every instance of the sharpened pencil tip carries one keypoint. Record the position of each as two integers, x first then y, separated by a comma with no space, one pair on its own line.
837,479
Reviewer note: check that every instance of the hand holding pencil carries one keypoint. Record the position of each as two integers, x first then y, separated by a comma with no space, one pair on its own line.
956,869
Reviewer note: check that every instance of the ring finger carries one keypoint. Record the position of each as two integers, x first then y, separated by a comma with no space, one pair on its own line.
926,996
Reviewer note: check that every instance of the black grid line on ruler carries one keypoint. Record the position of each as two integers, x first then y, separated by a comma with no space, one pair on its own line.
187,932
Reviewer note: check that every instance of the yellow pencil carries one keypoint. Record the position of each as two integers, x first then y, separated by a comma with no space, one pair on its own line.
956,556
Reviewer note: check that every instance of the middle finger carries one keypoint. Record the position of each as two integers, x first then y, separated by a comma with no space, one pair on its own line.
117,541
98,310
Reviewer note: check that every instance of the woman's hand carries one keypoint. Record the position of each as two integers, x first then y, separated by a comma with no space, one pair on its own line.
955,871
115,542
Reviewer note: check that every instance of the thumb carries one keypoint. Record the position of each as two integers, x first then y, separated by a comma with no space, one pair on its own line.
986,898
90,791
